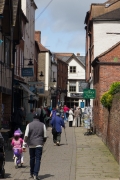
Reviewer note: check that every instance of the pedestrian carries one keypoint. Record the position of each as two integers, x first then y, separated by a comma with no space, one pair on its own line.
76,121
35,137
74,108
66,110
42,115
80,116
29,116
56,123
17,143
53,113
62,113
70,117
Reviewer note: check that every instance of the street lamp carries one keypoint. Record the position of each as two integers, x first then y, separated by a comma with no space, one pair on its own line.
41,74
30,61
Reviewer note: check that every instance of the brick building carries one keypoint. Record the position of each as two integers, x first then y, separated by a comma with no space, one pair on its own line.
106,71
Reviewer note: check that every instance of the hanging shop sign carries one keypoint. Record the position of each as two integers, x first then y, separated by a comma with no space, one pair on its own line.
27,72
89,93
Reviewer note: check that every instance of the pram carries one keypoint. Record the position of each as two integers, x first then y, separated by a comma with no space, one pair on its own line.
2,157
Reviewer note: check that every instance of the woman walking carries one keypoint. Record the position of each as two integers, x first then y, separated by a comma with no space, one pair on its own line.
70,117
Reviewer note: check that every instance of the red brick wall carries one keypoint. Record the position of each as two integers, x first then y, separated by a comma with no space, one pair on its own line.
111,127
107,75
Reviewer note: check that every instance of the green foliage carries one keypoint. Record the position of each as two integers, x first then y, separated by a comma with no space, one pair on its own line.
107,97
115,88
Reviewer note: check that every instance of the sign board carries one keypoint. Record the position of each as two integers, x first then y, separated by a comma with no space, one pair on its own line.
27,72
38,86
89,93
76,95
82,104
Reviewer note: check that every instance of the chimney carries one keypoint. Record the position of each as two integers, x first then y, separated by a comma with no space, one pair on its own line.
38,36
78,54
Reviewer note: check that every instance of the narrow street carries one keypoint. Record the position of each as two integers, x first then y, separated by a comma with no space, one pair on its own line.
78,158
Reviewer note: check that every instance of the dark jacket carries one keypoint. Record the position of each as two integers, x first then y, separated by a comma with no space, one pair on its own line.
19,116
57,122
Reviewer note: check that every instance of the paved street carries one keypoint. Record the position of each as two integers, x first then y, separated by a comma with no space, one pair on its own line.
79,158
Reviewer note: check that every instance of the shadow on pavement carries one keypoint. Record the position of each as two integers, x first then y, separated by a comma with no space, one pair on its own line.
46,176
9,156
7,175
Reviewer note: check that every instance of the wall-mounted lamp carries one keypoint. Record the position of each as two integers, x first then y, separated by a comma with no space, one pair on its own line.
54,80
41,74
30,62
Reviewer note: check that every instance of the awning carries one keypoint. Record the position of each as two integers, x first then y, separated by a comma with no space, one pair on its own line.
30,92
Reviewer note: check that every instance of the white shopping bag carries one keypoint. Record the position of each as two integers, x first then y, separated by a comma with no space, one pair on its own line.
73,122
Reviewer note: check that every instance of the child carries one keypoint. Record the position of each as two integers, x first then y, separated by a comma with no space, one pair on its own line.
17,143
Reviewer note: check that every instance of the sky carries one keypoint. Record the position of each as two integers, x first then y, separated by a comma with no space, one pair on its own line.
61,23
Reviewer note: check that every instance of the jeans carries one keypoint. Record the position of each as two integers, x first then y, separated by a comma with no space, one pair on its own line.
65,116
35,160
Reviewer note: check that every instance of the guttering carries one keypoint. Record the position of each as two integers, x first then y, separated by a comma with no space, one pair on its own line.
96,61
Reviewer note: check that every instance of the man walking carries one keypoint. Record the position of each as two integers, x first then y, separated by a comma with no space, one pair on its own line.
77,114
57,123
35,137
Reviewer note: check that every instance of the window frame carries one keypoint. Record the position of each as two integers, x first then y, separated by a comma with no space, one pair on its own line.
72,70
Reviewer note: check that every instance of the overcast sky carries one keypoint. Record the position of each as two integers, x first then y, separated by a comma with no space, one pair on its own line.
61,23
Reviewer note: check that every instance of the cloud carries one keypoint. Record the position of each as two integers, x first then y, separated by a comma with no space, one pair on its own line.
62,23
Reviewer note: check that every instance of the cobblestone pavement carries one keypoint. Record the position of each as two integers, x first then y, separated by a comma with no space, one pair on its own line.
78,158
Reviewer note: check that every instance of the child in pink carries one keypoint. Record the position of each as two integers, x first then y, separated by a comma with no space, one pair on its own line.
17,143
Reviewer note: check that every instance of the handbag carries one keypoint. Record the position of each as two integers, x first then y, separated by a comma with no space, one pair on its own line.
54,129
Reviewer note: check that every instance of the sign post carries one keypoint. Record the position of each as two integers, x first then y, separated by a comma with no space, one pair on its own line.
89,93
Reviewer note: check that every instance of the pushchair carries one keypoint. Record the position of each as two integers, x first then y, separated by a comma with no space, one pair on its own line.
2,157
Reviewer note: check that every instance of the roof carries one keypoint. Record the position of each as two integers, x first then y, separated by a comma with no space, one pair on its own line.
66,57
37,44
100,9
112,15
42,48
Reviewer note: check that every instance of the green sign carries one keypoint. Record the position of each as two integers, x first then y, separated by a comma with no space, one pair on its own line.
89,93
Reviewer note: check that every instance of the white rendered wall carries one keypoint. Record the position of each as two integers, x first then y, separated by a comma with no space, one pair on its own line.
47,70
80,71
29,43
102,40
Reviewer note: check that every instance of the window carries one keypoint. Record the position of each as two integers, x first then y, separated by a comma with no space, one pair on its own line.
72,86
7,51
72,69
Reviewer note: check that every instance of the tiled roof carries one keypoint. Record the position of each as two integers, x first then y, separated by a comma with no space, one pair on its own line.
81,59
113,15
66,56
42,48
110,2
100,9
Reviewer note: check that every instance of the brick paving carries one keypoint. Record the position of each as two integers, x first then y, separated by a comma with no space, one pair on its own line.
79,158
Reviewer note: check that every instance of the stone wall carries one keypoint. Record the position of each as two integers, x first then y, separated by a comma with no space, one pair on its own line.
111,127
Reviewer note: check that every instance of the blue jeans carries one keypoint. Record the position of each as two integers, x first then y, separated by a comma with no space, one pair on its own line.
35,160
